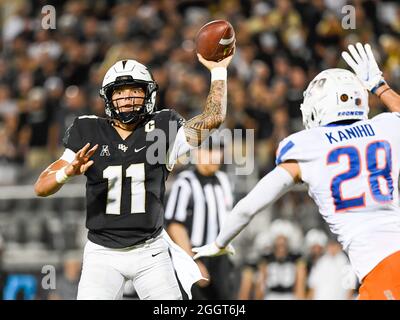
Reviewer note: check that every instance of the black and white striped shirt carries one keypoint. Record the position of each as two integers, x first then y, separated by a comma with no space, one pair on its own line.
200,203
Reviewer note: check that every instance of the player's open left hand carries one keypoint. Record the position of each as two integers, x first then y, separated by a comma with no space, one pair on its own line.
212,250
81,162
224,63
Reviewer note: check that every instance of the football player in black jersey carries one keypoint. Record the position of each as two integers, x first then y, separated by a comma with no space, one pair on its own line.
124,189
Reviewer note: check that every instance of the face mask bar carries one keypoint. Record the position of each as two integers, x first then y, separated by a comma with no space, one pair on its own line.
134,110
135,106
114,112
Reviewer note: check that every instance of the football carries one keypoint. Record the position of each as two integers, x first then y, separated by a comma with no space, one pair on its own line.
215,40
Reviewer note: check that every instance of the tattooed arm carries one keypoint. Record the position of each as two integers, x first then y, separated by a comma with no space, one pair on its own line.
198,128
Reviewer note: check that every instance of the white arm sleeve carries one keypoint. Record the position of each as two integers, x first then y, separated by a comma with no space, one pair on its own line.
68,155
268,190
180,146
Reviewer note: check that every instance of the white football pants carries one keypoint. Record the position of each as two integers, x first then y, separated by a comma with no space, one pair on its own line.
148,265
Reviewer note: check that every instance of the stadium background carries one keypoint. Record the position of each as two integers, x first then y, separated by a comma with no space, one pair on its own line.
48,77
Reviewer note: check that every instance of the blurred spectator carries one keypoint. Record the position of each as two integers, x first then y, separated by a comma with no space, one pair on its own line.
315,246
74,104
8,109
282,273
8,158
8,143
294,96
332,277
67,283
247,285
34,133
44,47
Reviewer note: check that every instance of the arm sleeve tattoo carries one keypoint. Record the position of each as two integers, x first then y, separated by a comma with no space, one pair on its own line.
198,128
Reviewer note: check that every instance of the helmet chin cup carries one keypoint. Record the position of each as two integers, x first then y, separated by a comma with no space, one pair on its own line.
129,117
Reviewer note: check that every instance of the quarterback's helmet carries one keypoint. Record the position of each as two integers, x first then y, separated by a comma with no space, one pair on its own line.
334,95
129,72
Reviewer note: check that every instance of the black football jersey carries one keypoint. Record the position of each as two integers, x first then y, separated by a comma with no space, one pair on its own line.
281,273
125,185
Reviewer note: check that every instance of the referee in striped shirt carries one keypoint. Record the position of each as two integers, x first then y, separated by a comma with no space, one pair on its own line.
199,200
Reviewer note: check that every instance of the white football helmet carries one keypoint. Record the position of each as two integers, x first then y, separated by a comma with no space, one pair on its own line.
315,237
129,72
334,95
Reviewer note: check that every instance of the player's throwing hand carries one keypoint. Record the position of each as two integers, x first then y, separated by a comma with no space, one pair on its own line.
81,162
212,64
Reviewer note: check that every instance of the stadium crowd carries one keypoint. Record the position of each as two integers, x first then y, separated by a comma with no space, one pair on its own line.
50,76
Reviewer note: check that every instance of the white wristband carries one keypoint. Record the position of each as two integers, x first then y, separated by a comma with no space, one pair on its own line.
61,176
219,73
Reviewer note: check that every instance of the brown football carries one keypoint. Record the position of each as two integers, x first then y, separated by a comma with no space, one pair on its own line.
215,40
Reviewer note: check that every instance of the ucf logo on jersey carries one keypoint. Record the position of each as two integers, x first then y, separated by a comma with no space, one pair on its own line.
122,147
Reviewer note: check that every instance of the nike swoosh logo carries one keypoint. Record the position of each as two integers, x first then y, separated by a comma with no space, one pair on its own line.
137,150
156,254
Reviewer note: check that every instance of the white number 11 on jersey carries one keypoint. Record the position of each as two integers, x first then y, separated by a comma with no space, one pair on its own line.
138,192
